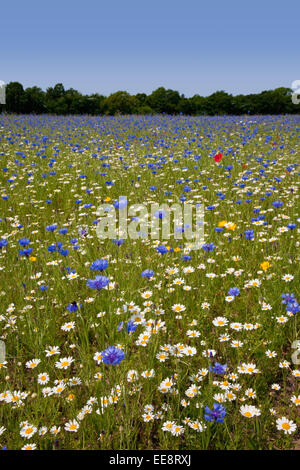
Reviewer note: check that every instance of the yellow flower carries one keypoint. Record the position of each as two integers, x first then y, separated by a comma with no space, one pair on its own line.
176,249
32,258
222,223
230,226
107,199
265,265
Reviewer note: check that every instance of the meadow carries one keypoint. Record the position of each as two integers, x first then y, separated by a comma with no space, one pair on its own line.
170,348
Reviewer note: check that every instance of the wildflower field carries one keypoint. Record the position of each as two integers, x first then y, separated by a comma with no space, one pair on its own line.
145,343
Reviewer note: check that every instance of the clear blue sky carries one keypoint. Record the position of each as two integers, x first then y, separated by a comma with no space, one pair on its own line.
192,46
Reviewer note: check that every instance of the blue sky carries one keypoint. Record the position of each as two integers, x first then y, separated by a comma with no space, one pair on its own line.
190,46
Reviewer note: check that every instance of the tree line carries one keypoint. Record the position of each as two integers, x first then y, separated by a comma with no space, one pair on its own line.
57,100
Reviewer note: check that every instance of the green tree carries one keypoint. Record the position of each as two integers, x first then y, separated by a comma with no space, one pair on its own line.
219,102
164,101
15,97
34,101
55,99
94,104
198,105
120,102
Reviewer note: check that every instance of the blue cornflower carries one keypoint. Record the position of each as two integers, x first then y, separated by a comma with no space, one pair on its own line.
293,307
160,214
24,241
121,203
43,287
64,252
249,234
112,355
72,307
3,242
83,231
25,252
162,249
98,283
118,241
51,228
217,414
63,231
147,273
208,247
55,247
219,368
234,291
99,265
277,204
70,270
130,326
287,298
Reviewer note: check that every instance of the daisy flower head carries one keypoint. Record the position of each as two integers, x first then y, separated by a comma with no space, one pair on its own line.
220,321
249,411
30,446
178,308
286,425
28,430
64,363
33,363
72,426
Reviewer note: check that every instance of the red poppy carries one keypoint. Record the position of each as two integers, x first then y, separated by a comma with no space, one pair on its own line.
218,157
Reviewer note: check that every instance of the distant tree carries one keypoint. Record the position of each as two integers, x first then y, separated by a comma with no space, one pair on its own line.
58,91
219,102
274,101
164,101
94,104
198,105
55,99
186,106
241,105
142,106
141,99
34,101
15,97
120,102
74,102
